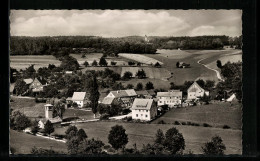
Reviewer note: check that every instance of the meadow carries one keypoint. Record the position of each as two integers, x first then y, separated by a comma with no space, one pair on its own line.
24,61
140,58
210,114
141,133
23,143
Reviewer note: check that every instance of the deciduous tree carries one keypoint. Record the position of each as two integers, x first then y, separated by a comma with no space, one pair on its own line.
117,137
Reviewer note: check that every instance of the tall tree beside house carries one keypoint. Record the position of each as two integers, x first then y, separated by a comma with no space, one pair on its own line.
102,61
94,94
29,72
117,137
58,109
201,83
20,87
48,127
214,147
174,141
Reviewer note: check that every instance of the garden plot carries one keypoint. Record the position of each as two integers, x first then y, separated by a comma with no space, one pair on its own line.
140,58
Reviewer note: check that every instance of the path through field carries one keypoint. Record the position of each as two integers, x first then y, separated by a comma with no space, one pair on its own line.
217,72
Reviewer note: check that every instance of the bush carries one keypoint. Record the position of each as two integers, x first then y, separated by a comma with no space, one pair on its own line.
226,127
161,122
177,123
104,117
184,123
206,125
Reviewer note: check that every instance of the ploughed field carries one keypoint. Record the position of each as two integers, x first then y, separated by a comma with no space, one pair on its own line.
141,133
24,61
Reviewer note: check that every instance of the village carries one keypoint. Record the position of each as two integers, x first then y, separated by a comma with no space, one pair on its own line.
125,82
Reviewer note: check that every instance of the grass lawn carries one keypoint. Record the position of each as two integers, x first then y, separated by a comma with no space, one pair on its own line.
24,61
144,133
28,106
217,115
78,113
23,143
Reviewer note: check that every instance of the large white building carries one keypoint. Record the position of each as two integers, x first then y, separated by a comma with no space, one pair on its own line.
195,91
125,96
171,98
144,109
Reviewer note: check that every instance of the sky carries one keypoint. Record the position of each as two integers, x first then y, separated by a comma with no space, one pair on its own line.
119,23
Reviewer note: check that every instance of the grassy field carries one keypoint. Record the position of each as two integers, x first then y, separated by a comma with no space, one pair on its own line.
28,106
24,61
157,83
78,113
216,115
145,133
23,143
173,54
140,58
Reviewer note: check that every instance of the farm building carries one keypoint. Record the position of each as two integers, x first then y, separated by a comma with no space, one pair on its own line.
28,81
80,98
143,93
195,91
38,84
126,96
111,100
144,109
171,98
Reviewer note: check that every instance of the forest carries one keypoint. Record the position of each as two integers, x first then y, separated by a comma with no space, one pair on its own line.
22,45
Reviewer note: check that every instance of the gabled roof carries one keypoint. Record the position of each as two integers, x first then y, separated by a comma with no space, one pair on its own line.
124,93
143,92
190,89
170,94
41,80
78,96
108,100
28,81
151,92
142,104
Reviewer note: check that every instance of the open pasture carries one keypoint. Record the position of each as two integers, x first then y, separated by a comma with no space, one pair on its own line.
24,61
157,73
140,58
210,114
23,143
28,106
140,134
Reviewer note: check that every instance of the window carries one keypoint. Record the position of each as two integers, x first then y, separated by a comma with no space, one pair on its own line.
160,101
146,110
139,110
136,115
146,116
141,114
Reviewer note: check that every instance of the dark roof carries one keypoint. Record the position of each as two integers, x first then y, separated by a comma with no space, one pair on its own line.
42,80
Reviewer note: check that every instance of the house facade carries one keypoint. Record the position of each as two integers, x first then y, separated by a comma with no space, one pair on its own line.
79,98
171,98
38,84
144,109
195,91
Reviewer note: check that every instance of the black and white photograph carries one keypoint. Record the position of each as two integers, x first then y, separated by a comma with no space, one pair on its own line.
126,82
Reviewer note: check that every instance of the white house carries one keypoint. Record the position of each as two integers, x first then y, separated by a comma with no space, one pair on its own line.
171,98
79,98
195,91
144,109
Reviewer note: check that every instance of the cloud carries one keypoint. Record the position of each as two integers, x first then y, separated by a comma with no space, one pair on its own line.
215,30
110,23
